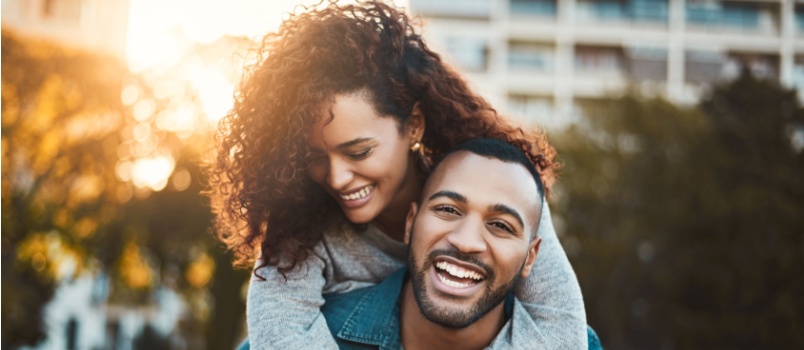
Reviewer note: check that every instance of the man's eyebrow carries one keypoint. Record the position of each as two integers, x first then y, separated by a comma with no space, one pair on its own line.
449,194
502,208
351,143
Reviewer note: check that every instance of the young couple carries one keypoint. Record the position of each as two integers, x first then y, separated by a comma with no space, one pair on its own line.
331,139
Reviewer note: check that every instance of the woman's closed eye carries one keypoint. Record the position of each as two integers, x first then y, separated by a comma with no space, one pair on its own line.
359,155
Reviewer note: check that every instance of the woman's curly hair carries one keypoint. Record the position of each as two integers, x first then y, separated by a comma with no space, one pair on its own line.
265,204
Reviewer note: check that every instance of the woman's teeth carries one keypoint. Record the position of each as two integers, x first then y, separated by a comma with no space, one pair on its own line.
458,271
358,195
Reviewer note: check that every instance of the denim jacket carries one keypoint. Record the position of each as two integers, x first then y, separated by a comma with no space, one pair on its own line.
368,318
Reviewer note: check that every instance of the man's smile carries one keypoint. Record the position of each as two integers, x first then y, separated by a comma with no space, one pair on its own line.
456,278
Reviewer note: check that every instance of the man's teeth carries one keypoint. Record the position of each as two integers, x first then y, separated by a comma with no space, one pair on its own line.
458,271
451,283
359,194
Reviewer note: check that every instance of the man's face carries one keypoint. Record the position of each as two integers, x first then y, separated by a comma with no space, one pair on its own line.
470,240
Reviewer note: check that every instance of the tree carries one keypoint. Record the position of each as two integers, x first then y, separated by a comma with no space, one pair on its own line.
75,127
60,111
686,222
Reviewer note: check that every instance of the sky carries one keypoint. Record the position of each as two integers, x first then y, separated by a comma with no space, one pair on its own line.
153,24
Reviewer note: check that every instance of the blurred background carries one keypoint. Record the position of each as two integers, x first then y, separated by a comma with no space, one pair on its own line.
679,124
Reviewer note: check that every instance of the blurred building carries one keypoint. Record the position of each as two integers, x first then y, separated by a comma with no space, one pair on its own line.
540,59
98,25
80,316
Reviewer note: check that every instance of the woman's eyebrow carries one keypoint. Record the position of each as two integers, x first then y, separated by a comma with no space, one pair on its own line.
351,143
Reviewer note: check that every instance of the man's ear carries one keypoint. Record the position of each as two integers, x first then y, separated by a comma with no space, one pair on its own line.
409,221
416,123
533,250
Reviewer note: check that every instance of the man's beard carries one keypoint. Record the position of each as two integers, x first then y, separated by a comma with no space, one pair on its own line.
456,318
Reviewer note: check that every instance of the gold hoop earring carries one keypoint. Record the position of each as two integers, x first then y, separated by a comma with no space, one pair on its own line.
423,154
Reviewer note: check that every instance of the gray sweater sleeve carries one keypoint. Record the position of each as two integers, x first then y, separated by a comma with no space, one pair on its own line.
285,314
552,295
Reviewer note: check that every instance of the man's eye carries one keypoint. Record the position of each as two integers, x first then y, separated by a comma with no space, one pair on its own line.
359,155
502,225
446,209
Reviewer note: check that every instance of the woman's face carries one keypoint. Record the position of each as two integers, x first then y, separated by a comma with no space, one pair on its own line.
362,159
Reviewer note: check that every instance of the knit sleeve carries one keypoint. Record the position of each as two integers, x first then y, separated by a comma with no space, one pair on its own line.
551,294
286,313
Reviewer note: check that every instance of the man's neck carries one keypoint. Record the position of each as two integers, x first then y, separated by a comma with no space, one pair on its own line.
417,332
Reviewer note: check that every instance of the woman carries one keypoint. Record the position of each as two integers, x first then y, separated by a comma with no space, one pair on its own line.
329,141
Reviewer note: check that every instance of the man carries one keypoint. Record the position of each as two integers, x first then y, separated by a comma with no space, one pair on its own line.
471,237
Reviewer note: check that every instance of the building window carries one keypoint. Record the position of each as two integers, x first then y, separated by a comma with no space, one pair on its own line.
531,56
469,53
532,109
599,60
647,63
703,67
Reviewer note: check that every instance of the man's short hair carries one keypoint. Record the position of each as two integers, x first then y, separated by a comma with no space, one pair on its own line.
501,150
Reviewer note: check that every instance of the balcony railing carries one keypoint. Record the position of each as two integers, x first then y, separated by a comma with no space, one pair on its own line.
629,11
453,8
740,18
542,8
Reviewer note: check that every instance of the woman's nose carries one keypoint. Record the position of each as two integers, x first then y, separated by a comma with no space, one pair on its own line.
339,175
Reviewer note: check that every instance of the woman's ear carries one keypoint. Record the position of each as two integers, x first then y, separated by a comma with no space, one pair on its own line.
416,123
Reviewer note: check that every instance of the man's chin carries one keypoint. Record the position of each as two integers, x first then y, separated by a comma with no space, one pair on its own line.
449,317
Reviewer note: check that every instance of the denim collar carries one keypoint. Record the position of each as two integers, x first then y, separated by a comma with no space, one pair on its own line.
375,320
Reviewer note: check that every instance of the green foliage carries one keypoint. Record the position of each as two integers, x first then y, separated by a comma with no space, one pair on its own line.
688,222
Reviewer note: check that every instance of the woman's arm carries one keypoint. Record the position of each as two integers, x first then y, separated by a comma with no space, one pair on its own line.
551,294
286,314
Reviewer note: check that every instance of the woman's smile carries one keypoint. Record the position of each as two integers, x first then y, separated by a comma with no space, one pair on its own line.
358,194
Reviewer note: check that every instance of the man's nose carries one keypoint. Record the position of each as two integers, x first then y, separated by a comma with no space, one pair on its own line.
468,236
338,174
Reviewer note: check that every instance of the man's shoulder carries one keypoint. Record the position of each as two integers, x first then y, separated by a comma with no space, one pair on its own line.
339,306
363,318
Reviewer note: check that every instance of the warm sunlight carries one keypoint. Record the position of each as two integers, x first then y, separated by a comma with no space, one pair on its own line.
152,172
214,91
162,35
161,30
